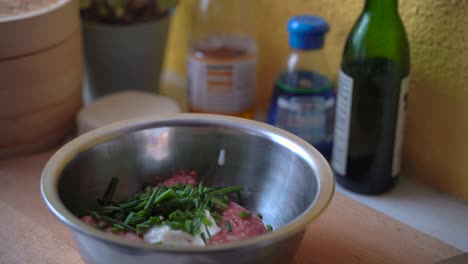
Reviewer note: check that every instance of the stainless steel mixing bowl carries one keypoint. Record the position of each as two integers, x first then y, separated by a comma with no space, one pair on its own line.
285,179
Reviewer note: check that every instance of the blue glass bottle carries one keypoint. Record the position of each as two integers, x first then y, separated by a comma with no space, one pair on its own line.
303,100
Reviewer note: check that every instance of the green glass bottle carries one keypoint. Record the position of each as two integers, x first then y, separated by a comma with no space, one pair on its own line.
371,101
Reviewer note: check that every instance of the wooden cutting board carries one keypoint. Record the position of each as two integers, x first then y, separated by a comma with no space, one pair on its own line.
348,232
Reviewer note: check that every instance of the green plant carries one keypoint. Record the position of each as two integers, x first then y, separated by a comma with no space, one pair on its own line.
125,11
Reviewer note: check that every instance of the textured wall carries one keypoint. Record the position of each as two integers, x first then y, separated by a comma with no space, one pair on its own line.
436,144
436,148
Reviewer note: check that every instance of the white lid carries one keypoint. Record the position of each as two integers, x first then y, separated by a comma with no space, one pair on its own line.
122,106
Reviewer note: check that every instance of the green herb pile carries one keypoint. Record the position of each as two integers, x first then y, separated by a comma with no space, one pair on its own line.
179,207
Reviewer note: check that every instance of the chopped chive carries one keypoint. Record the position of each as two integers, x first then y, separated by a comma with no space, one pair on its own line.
148,190
130,204
101,225
120,216
208,232
137,220
128,227
141,226
142,213
164,195
200,188
216,217
130,215
155,220
96,216
120,227
147,222
188,225
228,226
206,221
229,189
111,208
139,230
151,199
239,198
178,202
196,224
141,205
269,228
175,225
219,203
202,235
190,193
186,190
260,215
109,220
245,214
189,214
105,212
110,189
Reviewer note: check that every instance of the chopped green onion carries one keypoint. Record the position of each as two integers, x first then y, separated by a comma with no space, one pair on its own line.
141,206
109,220
164,195
147,222
152,197
208,232
188,226
96,216
110,189
101,225
206,221
269,228
239,198
120,227
202,235
228,226
245,214
130,215
181,207
200,188
130,204
229,189
111,208
219,203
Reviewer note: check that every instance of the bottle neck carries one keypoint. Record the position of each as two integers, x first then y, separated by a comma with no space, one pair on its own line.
307,60
381,6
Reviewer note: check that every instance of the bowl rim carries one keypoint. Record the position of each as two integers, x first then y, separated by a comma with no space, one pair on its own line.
56,164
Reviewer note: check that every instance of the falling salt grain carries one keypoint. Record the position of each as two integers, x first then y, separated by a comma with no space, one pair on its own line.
221,157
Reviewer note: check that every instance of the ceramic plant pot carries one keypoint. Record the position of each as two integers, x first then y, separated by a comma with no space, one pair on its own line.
124,57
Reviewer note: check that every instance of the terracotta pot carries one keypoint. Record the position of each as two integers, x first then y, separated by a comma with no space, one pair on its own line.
40,77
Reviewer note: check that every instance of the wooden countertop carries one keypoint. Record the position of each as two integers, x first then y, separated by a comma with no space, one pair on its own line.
348,232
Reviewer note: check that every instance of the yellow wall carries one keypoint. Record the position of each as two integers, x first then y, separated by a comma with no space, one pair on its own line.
436,143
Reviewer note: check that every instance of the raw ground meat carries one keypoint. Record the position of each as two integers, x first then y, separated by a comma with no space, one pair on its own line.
184,177
241,228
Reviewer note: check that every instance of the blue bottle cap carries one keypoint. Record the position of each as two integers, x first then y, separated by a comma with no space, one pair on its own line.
307,32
